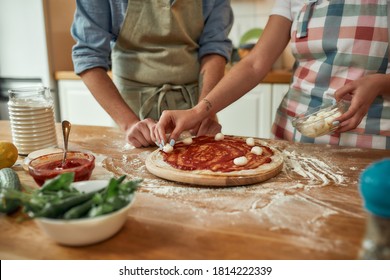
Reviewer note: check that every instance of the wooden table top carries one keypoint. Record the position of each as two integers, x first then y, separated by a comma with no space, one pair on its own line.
311,210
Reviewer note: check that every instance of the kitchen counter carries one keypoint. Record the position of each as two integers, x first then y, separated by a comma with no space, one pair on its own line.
274,77
311,210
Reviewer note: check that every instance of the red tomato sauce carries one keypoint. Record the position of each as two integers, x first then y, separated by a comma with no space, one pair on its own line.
80,166
207,154
57,165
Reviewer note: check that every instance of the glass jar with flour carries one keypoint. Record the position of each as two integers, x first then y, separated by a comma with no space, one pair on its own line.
31,114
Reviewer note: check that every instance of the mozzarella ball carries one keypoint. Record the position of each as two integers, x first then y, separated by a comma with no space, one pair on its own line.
322,114
318,125
167,148
312,118
219,137
329,120
240,161
250,141
337,114
187,141
185,134
323,130
257,150
308,131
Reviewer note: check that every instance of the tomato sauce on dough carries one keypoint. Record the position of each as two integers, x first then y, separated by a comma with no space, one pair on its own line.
205,153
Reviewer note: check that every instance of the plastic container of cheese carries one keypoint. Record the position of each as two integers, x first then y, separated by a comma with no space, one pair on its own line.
320,120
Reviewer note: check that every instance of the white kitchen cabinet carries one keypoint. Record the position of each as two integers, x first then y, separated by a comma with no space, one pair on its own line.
250,115
278,92
253,114
78,105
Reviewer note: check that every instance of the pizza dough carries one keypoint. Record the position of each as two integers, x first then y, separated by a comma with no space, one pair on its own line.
209,162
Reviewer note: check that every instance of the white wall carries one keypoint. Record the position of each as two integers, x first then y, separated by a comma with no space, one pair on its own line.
23,51
249,14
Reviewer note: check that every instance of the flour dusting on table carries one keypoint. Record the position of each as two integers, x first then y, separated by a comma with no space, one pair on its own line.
279,204
316,171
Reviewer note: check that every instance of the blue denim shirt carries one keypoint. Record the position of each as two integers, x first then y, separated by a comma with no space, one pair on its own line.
97,24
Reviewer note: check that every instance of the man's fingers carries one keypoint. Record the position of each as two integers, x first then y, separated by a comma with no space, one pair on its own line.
134,142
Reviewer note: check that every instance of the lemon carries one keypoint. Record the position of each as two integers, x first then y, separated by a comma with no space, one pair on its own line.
8,154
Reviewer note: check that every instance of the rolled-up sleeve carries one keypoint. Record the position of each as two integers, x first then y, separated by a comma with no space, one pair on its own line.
92,31
218,23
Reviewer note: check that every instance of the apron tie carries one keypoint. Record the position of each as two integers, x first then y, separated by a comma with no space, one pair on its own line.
303,18
165,97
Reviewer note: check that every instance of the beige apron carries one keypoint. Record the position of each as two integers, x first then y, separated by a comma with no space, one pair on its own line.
155,59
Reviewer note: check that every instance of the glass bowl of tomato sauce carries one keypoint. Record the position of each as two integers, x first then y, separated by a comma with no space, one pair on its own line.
49,166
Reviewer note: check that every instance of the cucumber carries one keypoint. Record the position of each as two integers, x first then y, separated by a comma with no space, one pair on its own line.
9,180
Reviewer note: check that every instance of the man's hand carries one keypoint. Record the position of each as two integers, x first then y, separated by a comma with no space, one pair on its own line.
140,134
209,126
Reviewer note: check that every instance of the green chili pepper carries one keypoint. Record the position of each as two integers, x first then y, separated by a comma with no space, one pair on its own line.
79,211
55,210
61,182
58,199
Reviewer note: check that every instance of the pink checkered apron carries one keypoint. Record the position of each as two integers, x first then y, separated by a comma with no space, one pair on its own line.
335,42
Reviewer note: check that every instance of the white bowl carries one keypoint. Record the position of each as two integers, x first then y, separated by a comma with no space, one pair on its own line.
38,153
86,231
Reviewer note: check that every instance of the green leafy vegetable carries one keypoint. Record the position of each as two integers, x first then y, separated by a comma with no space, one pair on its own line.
59,200
61,182
116,196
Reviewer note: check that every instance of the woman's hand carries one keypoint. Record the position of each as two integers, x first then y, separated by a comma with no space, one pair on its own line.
174,122
361,93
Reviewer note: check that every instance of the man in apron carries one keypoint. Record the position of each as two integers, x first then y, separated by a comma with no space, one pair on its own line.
341,49
165,54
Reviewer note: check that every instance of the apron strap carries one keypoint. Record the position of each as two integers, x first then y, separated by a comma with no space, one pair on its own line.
165,95
303,18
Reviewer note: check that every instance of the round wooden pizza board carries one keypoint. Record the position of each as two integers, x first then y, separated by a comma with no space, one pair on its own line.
155,166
